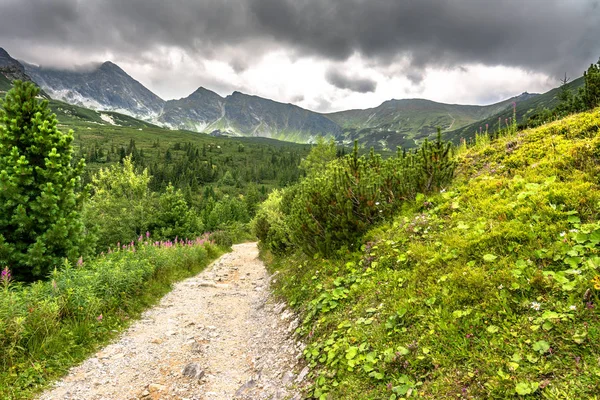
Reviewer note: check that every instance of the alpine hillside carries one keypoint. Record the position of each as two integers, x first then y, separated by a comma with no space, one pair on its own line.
407,122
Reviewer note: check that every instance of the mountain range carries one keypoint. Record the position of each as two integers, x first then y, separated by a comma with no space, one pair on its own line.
405,123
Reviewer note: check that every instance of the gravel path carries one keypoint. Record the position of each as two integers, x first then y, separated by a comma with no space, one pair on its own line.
217,335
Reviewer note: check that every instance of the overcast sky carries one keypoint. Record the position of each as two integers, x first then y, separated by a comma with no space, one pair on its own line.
325,55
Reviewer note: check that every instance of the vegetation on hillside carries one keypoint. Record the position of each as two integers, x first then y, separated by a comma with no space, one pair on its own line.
487,287
48,326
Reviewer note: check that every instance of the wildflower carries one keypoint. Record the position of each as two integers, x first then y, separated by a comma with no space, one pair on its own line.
54,285
535,305
80,262
574,230
443,190
573,308
377,203
596,282
147,234
99,318
562,234
5,277
501,286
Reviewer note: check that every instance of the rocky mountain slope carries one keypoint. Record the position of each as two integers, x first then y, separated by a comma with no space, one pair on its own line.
10,69
104,87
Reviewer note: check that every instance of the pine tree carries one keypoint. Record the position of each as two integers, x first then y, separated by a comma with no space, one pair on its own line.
591,94
40,205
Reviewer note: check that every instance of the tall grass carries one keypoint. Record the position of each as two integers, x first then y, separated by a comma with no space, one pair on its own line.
48,326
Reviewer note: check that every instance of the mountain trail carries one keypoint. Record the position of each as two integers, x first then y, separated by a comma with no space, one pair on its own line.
218,335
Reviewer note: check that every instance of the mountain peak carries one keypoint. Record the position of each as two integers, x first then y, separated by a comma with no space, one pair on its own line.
110,66
4,53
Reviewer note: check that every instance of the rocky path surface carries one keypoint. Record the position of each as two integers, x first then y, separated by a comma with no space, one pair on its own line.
218,335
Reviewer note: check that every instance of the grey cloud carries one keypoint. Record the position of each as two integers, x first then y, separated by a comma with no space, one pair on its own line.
339,80
297,99
551,36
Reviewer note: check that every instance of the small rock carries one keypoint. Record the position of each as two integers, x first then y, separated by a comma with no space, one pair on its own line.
302,375
156,387
287,378
245,387
193,370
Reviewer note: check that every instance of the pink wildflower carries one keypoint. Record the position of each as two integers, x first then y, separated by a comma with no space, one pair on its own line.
5,277
99,318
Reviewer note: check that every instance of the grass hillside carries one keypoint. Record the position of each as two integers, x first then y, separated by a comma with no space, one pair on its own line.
486,289
105,133
525,109
405,123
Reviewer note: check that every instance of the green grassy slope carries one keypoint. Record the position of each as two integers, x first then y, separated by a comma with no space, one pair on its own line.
407,122
489,289
525,109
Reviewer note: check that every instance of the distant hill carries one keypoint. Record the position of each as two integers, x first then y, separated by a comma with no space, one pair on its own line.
525,109
407,122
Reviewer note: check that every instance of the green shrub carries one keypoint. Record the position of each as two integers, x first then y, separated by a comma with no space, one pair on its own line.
122,206
173,217
222,238
334,208
269,224
227,210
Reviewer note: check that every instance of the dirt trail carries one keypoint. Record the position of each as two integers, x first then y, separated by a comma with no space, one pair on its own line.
217,335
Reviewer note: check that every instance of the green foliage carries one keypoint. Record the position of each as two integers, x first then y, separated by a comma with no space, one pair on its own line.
228,210
320,155
489,289
173,217
269,225
591,92
334,208
47,327
122,206
40,197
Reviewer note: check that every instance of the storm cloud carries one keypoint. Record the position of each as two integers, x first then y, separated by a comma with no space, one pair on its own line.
550,35
360,85
547,36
